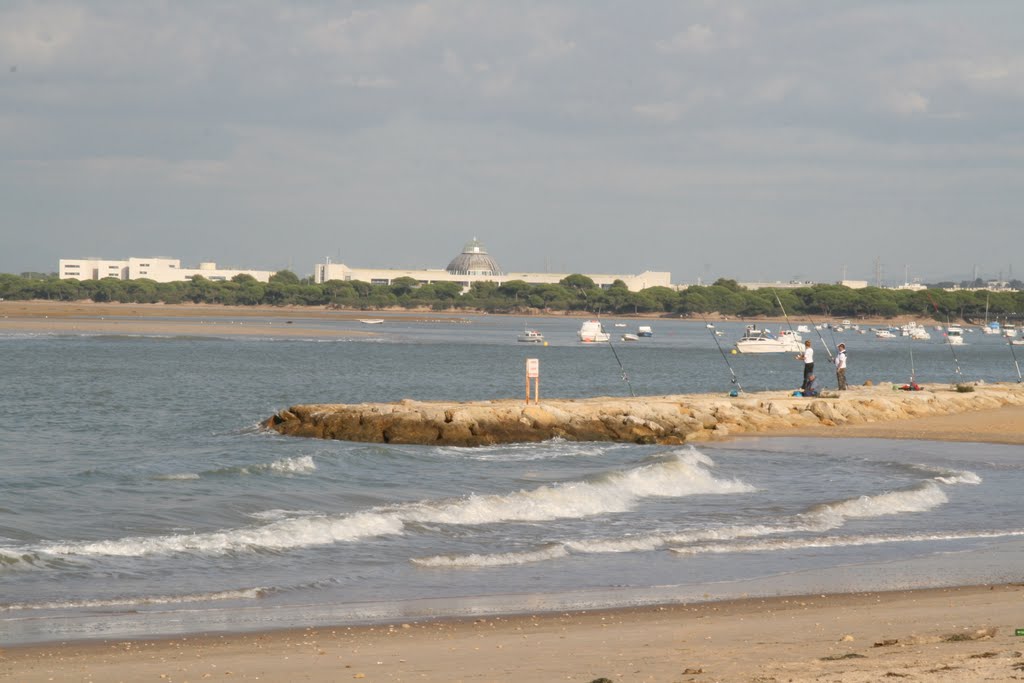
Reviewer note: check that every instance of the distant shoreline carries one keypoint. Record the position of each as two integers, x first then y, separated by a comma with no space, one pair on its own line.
35,309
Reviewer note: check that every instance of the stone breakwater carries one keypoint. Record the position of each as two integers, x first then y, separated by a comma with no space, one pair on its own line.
646,420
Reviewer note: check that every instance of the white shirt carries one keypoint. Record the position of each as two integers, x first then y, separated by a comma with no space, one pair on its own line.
808,355
841,360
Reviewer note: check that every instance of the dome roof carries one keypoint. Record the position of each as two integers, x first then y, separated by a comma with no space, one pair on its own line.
473,261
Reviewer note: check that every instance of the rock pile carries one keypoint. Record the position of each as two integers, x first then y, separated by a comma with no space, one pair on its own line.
646,420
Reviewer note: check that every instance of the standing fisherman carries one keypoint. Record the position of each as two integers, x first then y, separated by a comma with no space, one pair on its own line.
808,358
840,362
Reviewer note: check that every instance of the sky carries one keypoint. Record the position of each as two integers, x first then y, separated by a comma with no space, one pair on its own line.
769,140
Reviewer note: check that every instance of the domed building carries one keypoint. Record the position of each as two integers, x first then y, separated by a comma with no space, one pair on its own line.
474,264
474,260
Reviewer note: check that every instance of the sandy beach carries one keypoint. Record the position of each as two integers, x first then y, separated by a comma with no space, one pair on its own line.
957,634
951,634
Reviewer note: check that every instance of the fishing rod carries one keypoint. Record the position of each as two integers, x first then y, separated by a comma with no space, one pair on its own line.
711,329
956,361
783,310
823,342
1015,363
622,369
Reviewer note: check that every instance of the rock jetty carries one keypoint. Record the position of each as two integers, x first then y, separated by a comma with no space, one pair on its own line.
646,420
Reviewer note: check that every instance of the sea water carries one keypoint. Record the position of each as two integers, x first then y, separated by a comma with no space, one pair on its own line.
140,497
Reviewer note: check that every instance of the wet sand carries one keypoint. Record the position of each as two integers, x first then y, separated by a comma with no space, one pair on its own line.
956,634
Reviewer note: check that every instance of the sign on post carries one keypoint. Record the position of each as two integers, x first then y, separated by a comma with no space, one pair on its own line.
533,372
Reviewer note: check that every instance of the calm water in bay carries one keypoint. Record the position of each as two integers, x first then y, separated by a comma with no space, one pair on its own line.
139,497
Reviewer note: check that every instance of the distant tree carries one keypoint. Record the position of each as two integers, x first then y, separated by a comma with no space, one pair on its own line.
577,281
285,277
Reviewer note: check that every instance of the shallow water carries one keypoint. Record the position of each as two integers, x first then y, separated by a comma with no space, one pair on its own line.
139,497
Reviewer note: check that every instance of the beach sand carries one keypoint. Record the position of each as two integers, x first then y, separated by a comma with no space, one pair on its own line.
957,634
954,634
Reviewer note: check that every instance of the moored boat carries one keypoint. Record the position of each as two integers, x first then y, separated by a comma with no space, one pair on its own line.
592,331
755,340
531,337
644,331
629,336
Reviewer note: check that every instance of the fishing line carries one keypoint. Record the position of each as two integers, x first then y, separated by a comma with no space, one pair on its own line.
711,329
622,370
1015,363
956,362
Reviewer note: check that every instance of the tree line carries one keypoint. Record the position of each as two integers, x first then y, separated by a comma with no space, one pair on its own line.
573,293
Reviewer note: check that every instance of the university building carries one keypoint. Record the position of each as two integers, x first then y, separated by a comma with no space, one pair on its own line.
474,264
158,269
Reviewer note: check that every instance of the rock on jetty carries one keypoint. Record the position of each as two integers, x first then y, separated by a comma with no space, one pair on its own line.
646,420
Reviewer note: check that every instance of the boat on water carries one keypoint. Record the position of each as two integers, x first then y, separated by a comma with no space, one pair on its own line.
1009,330
955,335
592,331
531,337
629,337
992,328
371,321
802,328
1017,342
884,334
620,324
644,331
755,340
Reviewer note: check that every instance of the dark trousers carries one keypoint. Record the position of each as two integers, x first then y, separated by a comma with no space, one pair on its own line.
808,371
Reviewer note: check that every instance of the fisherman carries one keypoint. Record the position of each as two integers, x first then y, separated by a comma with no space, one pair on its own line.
809,389
841,366
808,358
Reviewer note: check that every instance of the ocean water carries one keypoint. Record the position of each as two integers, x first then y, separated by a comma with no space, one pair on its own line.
139,496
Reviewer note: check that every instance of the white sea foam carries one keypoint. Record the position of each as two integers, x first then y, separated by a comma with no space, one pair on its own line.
820,518
950,477
680,474
837,542
300,465
918,499
243,594
182,476
493,560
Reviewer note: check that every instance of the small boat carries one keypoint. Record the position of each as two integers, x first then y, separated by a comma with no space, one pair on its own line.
1016,342
371,321
884,334
592,331
644,331
629,336
762,341
620,324
955,335
802,328
1009,330
531,337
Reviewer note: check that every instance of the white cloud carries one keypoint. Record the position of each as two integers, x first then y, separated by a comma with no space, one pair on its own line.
696,38
906,103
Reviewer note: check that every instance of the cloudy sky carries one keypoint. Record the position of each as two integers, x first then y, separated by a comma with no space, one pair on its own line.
770,140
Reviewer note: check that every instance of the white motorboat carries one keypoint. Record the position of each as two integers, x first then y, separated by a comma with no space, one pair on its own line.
955,335
884,334
763,341
592,331
920,334
1017,342
644,331
629,336
531,337
992,328
1009,330
802,328
371,321
620,324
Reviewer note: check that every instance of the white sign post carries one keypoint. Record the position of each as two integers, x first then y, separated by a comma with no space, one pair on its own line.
533,372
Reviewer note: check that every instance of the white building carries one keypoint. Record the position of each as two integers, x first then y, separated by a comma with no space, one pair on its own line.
475,265
158,269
